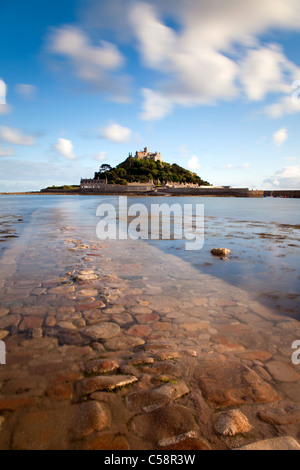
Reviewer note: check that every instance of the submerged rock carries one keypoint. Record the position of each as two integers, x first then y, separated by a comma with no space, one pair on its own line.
223,252
231,423
101,366
239,384
150,400
107,383
3,311
91,416
280,416
164,425
1,421
104,330
277,443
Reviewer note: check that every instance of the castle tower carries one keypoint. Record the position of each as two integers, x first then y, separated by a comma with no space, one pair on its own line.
146,155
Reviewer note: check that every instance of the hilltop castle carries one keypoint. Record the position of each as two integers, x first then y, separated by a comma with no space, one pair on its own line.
146,155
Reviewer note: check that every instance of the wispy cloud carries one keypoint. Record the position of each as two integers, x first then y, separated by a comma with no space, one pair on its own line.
99,65
283,106
115,133
4,107
15,136
230,166
215,55
6,152
280,136
263,71
193,163
155,105
245,165
100,156
65,148
286,178
2,92
26,91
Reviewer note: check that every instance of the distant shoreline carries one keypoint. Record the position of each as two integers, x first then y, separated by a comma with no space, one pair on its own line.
290,194
39,193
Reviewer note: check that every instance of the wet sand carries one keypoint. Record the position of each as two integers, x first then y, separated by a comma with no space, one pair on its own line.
121,346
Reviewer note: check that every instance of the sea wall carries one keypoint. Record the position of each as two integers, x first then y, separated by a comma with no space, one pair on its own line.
221,192
115,189
150,190
283,193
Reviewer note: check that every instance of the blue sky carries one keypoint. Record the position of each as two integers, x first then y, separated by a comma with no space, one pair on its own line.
214,85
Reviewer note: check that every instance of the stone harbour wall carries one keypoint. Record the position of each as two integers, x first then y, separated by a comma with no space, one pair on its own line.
95,187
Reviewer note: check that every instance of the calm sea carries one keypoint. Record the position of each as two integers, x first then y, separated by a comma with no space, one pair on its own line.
262,234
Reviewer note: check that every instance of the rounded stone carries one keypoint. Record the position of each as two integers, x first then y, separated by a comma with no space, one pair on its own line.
87,277
37,333
2,419
29,323
66,325
164,423
103,330
282,372
223,252
123,342
9,321
231,423
50,321
3,311
3,334
87,293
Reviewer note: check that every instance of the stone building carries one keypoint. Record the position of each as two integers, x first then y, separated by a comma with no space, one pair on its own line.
146,155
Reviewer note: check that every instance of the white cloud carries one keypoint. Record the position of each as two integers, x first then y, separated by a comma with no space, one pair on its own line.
230,166
115,133
291,158
155,105
2,91
195,72
65,148
89,60
5,108
100,156
280,136
15,136
193,163
214,54
285,105
8,152
263,71
93,64
26,91
287,178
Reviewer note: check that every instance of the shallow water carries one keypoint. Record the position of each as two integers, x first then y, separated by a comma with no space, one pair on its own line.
167,318
262,234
